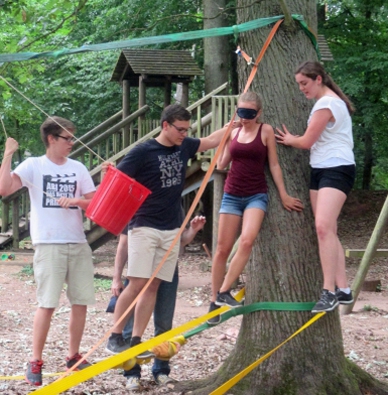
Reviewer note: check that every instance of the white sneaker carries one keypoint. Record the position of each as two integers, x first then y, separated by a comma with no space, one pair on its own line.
133,383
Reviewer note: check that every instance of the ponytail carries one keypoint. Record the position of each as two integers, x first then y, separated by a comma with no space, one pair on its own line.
312,69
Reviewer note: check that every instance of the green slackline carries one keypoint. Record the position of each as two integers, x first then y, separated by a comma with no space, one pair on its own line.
136,42
271,306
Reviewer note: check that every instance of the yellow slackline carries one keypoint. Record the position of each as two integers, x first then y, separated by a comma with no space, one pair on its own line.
22,377
82,375
234,380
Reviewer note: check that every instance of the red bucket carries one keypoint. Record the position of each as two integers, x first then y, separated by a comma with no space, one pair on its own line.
116,201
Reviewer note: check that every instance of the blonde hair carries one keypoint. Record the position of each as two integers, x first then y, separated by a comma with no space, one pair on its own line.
252,97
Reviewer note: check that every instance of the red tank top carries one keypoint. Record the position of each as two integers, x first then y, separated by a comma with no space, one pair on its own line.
246,175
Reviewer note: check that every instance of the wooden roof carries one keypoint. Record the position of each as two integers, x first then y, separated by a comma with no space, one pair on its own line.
155,65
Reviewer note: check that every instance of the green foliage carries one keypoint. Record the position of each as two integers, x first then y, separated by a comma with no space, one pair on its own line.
78,87
102,284
357,33
27,271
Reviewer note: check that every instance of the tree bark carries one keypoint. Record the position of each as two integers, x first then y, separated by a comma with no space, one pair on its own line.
284,265
215,48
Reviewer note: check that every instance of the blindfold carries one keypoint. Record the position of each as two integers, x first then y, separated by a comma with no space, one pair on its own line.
247,113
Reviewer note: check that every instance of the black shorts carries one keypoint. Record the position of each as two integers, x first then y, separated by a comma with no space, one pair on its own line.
339,177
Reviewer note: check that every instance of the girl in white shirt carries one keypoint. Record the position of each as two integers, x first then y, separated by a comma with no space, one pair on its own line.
329,138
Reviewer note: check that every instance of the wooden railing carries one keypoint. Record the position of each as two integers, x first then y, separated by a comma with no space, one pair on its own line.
111,141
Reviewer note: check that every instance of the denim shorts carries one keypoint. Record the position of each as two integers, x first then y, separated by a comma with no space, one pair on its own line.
237,205
339,177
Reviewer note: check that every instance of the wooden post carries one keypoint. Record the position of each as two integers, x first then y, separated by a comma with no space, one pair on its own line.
368,256
126,112
185,94
15,222
219,180
167,92
142,102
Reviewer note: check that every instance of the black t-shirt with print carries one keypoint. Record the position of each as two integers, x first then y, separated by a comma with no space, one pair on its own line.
162,170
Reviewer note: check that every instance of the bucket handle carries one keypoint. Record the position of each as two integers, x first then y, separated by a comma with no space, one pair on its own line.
130,192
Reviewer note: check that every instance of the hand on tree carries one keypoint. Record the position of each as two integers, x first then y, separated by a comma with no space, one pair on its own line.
285,137
290,203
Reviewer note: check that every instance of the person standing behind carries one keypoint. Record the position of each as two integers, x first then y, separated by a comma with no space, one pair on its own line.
164,306
160,165
245,196
330,140
59,188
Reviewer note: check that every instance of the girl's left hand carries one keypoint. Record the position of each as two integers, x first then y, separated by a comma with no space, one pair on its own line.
290,203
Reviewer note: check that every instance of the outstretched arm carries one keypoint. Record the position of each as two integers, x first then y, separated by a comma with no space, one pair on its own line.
215,138
289,203
316,126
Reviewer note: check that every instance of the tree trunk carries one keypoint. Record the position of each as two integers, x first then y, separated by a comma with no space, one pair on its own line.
284,264
215,48
216,66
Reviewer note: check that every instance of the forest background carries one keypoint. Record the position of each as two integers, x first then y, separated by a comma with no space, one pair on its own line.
78,87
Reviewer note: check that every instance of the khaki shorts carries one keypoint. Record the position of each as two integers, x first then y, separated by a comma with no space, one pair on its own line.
57,264
146,248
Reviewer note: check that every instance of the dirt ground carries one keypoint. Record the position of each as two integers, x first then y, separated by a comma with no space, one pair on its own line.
365,331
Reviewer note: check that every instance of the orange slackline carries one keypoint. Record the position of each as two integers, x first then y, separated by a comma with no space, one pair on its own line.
191,209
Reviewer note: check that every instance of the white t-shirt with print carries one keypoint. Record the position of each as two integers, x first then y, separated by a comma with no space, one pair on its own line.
47,181
335,144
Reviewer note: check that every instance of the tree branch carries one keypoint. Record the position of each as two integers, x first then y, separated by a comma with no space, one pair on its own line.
226,10
288,21
81,5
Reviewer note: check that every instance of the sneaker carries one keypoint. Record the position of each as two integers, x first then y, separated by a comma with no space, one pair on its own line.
163,379
328,302
34,372
216,319
116,344
145,355
70,362
135,341
225,298
343,297
133,383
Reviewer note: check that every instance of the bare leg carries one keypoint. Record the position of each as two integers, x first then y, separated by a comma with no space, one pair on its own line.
145,307
227,231
327,204
42,321
124,301
252,220
341,279
76,327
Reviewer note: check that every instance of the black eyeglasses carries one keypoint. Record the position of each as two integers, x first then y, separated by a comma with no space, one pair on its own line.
181,130
68,139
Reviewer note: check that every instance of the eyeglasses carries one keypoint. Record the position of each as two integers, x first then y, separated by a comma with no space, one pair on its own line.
68,139
181,130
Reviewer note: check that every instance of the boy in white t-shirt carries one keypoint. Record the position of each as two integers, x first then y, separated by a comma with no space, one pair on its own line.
59,189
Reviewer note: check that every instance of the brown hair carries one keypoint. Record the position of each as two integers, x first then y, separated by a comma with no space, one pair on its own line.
174,112
54,126
312,69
